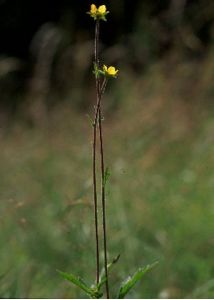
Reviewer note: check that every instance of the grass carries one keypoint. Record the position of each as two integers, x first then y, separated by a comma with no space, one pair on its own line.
160,205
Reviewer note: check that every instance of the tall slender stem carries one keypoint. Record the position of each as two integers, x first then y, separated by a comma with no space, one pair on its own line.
98,119
95,206
94,159
103,196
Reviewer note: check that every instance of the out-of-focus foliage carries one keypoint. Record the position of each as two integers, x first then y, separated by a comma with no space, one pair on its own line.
160,195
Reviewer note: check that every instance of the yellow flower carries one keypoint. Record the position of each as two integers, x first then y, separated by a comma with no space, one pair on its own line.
102,9
110,71
98,13
93,9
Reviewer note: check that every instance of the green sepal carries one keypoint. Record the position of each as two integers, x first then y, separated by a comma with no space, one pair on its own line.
103,17
98,16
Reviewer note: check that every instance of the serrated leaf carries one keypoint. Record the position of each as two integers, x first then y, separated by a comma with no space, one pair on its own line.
103,275
78,282
128,284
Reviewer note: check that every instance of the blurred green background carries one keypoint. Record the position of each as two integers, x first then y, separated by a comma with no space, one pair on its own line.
159,143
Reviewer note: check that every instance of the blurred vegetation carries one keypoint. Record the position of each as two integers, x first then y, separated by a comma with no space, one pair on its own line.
159,137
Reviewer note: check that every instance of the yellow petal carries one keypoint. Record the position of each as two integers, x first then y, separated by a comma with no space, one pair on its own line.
102,9
112,71
93,9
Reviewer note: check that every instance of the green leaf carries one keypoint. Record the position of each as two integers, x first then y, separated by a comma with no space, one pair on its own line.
78,282
102,279
97,72
128,284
